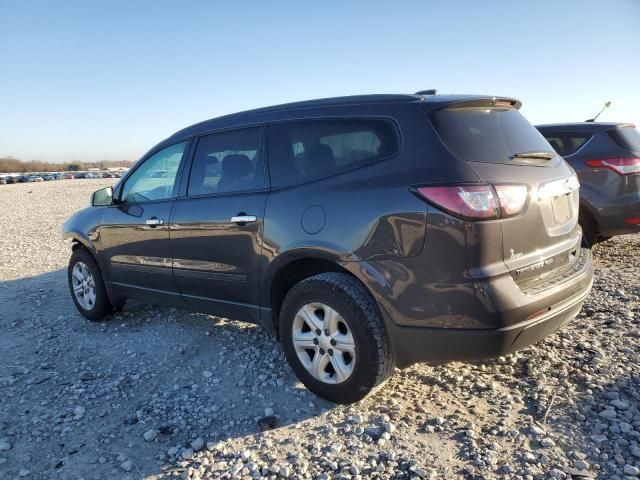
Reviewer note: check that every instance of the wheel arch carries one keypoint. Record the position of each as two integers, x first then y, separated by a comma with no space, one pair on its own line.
292,270
79,242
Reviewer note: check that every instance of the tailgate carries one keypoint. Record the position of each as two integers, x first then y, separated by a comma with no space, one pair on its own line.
545,237
502,147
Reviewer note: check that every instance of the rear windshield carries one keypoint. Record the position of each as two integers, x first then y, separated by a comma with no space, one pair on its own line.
627,137
567,143
485,134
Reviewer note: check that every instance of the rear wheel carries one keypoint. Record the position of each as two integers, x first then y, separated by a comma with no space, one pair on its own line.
87,288
334,338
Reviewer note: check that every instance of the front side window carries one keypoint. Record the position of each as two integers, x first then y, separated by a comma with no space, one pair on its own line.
226,162
156,177
304,150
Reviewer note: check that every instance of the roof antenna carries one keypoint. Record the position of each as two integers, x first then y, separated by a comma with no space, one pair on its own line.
607,104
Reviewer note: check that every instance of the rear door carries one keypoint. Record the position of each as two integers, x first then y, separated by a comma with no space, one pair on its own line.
501,146
134,233
217,224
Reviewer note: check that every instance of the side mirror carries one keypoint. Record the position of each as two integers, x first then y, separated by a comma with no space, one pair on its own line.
102,197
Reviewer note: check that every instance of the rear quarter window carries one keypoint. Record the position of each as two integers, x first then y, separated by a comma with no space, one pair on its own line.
305,150
627,137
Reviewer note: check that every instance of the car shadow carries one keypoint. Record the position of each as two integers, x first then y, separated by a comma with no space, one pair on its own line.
96,388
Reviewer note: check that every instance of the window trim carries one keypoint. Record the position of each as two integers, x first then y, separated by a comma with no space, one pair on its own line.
178,179
355,166
184,186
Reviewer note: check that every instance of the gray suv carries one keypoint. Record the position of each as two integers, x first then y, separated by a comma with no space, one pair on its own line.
368,232
606,157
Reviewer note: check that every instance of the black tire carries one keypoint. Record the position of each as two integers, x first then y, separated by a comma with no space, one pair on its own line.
373,357
102,306
589,232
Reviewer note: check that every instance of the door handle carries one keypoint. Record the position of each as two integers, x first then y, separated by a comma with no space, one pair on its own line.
244,219
154,221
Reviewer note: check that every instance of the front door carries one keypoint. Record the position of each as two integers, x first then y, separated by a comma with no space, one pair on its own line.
134,232
216,228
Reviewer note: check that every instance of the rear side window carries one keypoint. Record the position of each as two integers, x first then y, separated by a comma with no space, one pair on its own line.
304,150
627,137
567,143
227,162
486,134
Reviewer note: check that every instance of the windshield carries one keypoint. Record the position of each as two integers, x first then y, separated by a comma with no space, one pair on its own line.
493,135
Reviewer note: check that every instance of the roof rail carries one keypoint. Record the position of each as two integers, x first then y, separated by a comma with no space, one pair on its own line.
431,91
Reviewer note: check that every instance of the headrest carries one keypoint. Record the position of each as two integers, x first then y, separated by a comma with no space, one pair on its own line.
236,165
319,159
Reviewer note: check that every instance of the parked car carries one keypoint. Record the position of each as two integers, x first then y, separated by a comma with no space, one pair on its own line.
21,178
368,232
69,176
48,178
606,157
3,181
35,178
11,179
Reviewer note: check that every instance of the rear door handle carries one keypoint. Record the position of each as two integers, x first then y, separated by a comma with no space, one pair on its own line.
154,221
244,219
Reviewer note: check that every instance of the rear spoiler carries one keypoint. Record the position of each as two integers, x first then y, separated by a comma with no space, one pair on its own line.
504,102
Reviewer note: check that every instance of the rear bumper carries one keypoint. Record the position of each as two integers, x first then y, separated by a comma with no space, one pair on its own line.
552,309
616,224
611,220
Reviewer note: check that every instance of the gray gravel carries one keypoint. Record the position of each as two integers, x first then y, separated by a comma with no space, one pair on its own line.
159,393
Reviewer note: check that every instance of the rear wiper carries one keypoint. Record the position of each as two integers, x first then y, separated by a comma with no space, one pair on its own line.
540,155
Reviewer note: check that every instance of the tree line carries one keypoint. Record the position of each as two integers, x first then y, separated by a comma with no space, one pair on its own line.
13,165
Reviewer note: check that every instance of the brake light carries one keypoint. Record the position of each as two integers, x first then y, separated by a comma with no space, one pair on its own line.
632,221
477,202
512,198
622,166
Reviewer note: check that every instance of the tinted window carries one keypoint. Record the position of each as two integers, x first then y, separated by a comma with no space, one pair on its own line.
484,134
627,137
156,177
226,162
566,143
309,149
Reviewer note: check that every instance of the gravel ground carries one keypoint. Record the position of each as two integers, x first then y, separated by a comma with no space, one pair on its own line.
157,392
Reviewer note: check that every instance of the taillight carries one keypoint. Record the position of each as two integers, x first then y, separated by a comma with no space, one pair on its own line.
477,202
622,166
512,198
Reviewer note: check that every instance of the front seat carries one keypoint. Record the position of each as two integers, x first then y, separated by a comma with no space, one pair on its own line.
237,173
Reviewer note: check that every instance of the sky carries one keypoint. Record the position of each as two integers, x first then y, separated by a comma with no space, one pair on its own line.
108,79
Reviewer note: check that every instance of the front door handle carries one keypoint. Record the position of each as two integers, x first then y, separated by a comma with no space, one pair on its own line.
154,221
244,219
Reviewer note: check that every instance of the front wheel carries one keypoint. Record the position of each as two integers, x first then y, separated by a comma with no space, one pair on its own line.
87,288
334,338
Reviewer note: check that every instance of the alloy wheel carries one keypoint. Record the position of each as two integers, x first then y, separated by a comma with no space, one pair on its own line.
324,343
84,287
